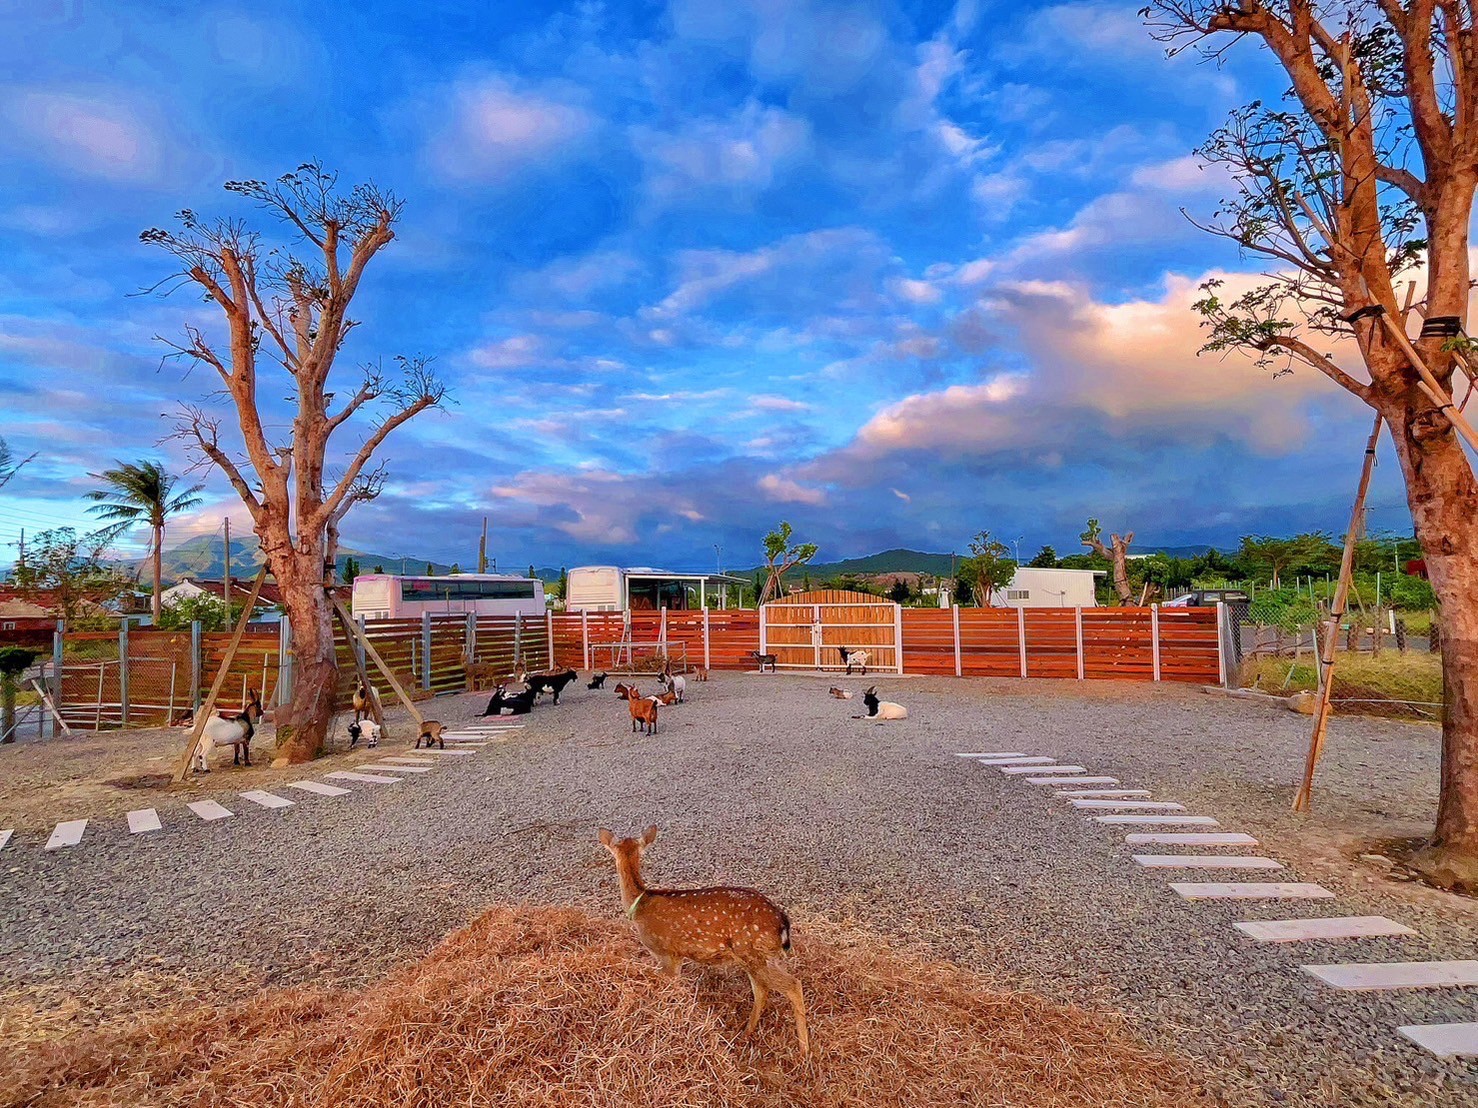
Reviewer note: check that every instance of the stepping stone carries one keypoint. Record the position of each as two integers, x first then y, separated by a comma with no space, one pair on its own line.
1368,976
1190,838
372,778
67,833
5,837
1063,780
400,767
1102,792
1036,760
1131,805
990,754
1446,1040
1338,927
463,740
409,760
1172,821
1252,890
1205,861
1013,770
143,820
463,753
318,788
266,799
209,810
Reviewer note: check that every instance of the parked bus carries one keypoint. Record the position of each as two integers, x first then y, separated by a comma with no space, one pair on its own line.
391,596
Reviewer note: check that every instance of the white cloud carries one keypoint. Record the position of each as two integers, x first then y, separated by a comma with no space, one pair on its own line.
916,292
787,491
495,131
745,152
103,133
770,403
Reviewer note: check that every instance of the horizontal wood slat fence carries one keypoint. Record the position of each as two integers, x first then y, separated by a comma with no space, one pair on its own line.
146,678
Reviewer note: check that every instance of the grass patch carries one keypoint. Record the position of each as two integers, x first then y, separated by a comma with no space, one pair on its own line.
553,1008
1391,682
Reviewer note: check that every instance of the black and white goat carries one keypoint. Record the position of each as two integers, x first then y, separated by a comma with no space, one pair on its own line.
677,685
553,681
852,658
519,704
235,732
366,729
881,709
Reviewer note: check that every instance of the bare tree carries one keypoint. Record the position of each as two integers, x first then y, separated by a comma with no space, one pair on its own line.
1117,552
1367,170
286,317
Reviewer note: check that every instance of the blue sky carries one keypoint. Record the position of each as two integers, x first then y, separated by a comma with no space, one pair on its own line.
894,272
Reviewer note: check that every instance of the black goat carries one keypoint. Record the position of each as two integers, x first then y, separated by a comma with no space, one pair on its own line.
519,704
597,680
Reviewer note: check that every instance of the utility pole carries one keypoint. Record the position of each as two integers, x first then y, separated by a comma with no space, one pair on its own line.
23,547
226,590
482,548
718,558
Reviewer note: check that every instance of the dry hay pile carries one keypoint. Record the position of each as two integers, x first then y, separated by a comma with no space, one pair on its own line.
551,1007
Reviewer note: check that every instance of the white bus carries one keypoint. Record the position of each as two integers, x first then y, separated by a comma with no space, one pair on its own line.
391,596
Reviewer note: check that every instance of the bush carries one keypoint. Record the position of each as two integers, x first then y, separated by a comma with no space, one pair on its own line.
1411,594
211,612
1289,609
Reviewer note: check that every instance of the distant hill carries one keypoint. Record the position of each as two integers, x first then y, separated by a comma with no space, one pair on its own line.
205,556
888,561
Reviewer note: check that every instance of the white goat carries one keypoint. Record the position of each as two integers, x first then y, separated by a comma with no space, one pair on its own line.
852,658
882,709
678,686
235,732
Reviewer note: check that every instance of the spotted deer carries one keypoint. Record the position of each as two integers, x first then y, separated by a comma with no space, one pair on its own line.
714,926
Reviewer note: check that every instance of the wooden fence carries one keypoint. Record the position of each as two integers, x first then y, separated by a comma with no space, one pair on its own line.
144,678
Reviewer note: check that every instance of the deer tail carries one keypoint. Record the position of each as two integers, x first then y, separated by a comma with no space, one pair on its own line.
784,931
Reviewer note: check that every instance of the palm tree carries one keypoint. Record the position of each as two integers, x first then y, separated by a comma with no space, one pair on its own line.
141,493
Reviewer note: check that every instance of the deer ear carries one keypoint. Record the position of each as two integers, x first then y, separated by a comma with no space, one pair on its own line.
649,836
605,837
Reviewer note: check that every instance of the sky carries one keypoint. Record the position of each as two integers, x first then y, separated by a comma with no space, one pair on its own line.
894,272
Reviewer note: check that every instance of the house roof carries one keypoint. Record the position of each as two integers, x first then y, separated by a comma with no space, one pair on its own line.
240,589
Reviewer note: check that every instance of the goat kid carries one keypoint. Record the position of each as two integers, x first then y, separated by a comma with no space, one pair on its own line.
764,660
554,682
431,732
643,708
364,729
714,926
365,701
839,694
235,732
881,709
597,681
852,658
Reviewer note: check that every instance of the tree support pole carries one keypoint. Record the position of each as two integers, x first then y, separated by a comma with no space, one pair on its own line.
1331,631
203,713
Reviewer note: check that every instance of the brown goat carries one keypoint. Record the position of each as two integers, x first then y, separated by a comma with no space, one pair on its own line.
431,731
643,708
714,926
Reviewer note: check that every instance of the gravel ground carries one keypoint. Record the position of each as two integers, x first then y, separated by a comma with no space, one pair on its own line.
766,781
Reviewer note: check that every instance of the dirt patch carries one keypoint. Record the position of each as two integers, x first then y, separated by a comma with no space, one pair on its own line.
544,1006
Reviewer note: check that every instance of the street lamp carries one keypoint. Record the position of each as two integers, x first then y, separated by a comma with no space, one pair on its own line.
1017,544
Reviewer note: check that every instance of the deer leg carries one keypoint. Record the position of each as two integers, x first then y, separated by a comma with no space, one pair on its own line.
773,977
761,998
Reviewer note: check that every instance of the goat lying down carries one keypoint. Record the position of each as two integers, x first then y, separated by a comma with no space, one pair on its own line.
235,732
881,709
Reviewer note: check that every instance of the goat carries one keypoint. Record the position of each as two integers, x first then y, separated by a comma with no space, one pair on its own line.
881,709
669,698
677,686
764,660
839,694
519,704
643,708
597,680
852,658
366,699
553,681
235,732
702,674
431,732
366,728
711,926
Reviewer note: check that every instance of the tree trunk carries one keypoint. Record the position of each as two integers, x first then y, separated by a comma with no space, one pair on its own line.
1443,497
158,604
7,708
302,725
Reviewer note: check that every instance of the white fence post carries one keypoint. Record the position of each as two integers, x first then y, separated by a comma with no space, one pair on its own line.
123,673
58,655
707,657
1021,637
1078,624
959,668
898,634
284,665
764,635
425,650
585,636
1221,653
549,635
662,629
195,663
517,642
470,648
1155,637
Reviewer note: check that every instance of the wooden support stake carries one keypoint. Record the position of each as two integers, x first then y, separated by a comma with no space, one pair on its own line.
1331,632
203,713
1429,383
374,656
50,707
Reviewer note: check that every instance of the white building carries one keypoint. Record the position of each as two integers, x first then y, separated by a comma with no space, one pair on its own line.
641,588
1032,587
